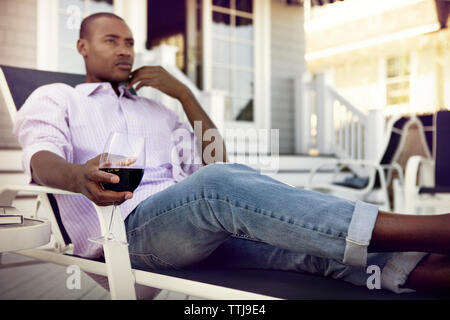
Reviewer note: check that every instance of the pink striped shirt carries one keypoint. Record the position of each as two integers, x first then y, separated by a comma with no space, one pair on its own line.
74,123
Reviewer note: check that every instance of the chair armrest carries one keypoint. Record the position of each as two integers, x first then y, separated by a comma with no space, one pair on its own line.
411,174
9,192
120,275
340,163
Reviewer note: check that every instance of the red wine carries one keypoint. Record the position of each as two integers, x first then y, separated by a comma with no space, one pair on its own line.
129,179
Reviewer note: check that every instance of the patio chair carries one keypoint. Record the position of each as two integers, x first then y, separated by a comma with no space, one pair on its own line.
358,178
209,283
427,180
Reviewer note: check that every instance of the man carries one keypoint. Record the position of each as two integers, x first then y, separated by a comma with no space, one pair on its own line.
186,213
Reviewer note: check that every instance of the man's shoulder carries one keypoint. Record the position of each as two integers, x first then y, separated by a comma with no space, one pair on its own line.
59,93
54,90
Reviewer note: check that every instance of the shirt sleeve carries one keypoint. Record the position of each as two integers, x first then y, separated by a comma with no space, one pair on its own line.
186,156
41,124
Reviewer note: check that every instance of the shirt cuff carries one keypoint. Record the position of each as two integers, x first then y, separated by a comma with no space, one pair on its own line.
29,151
359,234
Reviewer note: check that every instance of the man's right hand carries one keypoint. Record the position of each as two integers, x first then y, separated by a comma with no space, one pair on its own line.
87,181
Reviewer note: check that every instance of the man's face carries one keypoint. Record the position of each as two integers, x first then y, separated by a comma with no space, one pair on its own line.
107,50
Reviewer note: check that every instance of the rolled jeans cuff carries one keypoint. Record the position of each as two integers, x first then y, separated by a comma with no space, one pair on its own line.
397,269
359,234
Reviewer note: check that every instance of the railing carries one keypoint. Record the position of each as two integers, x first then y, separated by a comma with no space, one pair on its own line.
328,124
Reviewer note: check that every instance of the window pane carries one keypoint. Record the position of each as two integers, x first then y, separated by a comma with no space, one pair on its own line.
398,66
100,6
244,83
69,29
244,5
64,4
221,78
69,60
221,24
221,51
242,109
244,55
244,28
222,3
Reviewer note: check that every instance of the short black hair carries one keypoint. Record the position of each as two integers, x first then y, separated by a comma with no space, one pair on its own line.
84,28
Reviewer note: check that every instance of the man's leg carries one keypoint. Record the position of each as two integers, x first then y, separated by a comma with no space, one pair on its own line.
186,222
432,274
400,232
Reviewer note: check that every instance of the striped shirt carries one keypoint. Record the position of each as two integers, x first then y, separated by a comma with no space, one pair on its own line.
75,123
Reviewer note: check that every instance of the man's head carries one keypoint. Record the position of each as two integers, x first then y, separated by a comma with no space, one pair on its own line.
106,44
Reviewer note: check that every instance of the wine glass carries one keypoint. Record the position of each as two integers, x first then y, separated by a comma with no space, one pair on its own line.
124,156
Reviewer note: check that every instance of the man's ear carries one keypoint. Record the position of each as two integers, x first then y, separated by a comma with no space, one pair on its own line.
82,47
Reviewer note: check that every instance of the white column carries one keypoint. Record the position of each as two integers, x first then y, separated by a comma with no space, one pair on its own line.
47,35
373,142
302,113
135,15
324,111
214,104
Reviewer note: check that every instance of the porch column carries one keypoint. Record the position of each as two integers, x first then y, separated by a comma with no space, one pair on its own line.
324,111
375,132
302,113
135,15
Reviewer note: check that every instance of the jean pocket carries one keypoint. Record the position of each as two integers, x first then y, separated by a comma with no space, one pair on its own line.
150,262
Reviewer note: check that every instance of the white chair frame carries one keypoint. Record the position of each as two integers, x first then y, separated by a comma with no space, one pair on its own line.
360,165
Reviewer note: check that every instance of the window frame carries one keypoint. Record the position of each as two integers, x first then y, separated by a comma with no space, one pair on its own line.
261,61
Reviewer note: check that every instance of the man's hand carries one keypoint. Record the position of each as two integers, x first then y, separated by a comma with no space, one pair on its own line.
158,78
87,181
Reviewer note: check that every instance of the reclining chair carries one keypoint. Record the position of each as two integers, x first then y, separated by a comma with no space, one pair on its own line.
363,177
427,180
209,283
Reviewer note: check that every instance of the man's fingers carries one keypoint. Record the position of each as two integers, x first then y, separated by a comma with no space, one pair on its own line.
107,197
138,78
101,176
146,83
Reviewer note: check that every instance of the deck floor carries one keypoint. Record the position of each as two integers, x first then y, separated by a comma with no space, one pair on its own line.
23,278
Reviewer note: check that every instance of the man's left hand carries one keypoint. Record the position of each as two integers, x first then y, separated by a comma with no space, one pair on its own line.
158,78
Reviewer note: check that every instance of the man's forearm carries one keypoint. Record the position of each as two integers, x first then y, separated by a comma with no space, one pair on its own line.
51,170
194,113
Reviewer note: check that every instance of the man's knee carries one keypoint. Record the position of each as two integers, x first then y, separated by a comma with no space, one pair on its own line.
219,175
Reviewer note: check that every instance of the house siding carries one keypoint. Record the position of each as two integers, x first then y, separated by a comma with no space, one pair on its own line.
17,48
18,33
287,63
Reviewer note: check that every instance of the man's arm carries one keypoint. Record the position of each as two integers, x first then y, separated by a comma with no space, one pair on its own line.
160,79
51,170
195,112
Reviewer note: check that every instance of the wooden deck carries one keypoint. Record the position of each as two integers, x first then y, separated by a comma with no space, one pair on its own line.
23,278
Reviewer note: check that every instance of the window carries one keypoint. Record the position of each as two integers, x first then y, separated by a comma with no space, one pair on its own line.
233,56
398,80
70,15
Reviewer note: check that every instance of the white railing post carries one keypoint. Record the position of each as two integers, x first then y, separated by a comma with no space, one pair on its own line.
214,104
375,127
302,113
324,111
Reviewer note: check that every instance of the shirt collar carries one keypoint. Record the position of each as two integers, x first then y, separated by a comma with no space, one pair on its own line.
94,87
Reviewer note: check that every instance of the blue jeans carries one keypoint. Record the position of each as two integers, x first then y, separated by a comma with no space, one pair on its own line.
230,215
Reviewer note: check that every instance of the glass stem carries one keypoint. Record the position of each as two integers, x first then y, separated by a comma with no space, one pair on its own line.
110,235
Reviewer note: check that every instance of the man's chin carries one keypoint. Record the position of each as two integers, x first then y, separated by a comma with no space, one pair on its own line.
119,78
